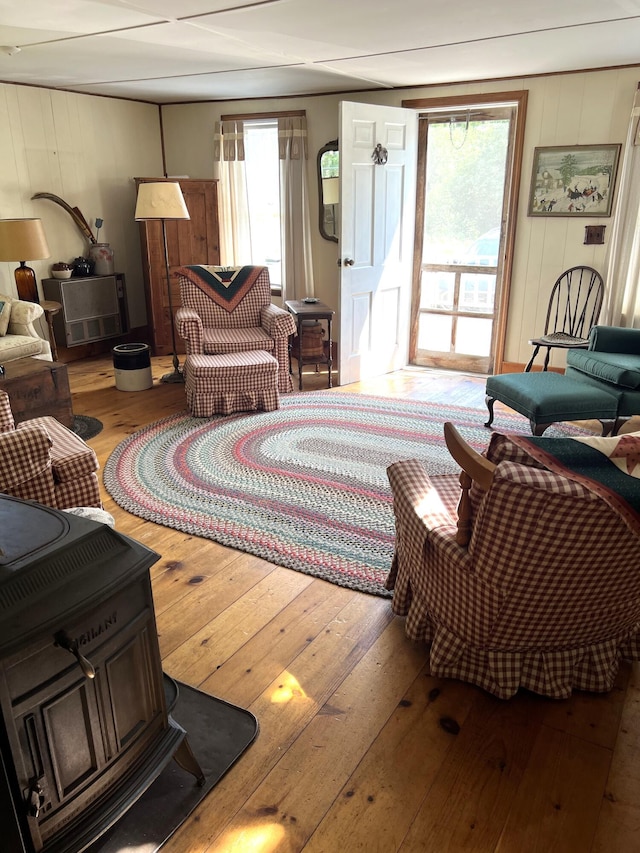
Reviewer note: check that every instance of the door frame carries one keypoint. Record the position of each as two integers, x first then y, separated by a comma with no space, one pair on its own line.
513,174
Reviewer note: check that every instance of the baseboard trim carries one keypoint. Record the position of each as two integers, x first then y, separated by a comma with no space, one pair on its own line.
516,367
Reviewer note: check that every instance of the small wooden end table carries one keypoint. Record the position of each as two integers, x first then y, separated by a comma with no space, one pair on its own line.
301,311
51,308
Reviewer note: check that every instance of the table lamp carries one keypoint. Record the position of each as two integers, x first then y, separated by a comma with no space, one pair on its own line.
330,190
24,238
164,200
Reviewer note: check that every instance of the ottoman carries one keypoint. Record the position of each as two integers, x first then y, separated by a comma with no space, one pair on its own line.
231,382
547,398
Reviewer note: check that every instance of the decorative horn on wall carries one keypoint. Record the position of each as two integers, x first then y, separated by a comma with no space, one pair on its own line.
73,212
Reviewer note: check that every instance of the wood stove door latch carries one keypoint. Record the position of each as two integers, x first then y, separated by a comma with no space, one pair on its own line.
36,799
65,642
34,796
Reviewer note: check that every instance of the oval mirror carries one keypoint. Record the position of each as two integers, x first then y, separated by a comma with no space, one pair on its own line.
328,189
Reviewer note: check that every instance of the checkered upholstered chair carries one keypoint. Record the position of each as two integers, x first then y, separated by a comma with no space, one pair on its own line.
228,310
41,460
537,587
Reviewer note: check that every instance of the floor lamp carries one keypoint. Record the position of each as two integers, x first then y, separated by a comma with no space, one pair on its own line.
164,200
23,238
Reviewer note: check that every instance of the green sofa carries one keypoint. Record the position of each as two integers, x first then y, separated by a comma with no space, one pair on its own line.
611,363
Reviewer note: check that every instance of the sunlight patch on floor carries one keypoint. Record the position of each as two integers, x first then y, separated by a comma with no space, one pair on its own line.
264,838
289,688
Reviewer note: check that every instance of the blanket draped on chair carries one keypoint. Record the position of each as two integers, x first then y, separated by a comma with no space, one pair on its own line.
226,286
610,467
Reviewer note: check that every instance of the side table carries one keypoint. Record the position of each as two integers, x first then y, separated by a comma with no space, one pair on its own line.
301,311
50,310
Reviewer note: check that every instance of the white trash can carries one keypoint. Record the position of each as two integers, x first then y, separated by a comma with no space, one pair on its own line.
132,365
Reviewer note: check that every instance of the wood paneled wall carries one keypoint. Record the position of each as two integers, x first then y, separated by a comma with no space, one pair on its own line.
85,149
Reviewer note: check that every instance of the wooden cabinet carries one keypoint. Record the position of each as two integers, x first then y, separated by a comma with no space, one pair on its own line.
191,241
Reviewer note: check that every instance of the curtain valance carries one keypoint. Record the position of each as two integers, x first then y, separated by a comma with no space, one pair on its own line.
292,138
228,140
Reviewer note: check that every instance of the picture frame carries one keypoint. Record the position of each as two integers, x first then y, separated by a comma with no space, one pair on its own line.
573,180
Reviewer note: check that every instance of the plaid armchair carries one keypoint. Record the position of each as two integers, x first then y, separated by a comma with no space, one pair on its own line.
545,595
229,310
41,460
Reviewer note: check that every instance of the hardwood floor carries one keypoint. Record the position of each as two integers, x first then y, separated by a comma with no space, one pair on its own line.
356,749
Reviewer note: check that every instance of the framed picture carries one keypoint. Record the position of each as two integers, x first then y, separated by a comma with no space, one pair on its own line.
576,180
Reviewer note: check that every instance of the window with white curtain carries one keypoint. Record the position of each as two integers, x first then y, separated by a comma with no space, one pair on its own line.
263,194
261,162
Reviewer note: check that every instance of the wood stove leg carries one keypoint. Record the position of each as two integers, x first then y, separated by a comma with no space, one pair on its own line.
185,758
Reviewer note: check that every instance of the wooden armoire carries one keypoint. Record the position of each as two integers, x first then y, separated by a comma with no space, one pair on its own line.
189,241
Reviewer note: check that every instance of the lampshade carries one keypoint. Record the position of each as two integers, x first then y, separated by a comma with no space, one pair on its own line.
23,240
160,200
330,190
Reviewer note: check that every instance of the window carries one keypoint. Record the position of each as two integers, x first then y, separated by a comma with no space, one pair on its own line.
263,194
261,163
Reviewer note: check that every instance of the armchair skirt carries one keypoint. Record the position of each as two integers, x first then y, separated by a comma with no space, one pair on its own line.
234,382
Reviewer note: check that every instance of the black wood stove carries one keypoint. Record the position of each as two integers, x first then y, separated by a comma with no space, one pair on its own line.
84,727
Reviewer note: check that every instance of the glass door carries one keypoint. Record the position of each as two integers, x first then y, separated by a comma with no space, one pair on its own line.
464,166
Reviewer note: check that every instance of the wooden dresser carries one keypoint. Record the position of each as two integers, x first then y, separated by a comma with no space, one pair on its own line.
192,241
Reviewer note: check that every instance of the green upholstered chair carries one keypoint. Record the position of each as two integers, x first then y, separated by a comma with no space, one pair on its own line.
611,363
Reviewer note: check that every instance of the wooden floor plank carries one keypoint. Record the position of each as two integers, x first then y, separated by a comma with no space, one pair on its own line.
187,616
594,717
226,632
246,674
556,808
175,576
618,829
284,709
381,798
470,800
329,748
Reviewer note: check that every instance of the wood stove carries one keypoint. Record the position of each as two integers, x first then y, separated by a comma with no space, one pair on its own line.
84,727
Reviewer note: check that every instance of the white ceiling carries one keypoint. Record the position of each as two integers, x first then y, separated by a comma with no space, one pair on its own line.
167,51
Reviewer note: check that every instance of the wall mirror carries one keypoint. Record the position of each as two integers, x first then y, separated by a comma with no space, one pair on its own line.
328,193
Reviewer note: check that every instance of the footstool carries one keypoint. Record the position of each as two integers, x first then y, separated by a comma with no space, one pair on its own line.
547,398
231,382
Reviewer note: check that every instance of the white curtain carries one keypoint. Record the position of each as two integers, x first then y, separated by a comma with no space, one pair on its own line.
235,231
295,222
622,265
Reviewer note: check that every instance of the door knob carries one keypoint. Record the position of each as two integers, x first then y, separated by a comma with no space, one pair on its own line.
349,262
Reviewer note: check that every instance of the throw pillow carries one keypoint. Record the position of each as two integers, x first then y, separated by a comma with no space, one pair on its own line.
5,314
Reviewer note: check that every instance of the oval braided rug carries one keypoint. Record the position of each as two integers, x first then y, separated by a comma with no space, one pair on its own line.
303,487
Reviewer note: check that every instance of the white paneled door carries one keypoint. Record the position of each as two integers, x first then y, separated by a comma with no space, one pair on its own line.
378,151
